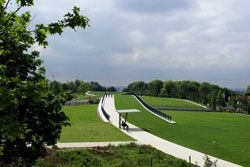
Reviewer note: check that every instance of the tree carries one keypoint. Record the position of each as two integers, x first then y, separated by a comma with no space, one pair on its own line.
56,87
205,90
154,87
248,99
220,99
72,87
138,87
95,86
169,89
111,89
83,87
248,90
30,113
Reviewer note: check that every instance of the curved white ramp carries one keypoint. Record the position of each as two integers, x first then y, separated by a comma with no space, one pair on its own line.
99,110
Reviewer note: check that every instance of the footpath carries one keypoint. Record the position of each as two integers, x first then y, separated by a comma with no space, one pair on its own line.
93,144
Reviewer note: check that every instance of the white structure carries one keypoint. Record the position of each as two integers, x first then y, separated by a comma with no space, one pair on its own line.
99,110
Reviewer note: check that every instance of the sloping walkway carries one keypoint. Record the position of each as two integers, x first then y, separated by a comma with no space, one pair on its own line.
163,145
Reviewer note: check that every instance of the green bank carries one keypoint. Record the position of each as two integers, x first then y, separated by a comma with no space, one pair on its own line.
224,135
86,126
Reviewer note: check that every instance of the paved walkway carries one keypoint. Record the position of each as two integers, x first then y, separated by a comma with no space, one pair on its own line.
197,104
89,94
93,144
163,145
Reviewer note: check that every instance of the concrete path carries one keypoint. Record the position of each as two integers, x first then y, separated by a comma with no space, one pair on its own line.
163,145
196,104
89,94
93,144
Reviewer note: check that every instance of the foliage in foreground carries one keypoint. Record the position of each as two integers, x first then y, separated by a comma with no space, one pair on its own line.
30,113
123,156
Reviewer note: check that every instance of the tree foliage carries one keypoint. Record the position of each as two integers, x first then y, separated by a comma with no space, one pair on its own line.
248,90
111,89
95,86
30,113
78,86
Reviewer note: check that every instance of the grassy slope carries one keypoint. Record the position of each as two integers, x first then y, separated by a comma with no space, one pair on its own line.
168,102
86,126
128,155
223,135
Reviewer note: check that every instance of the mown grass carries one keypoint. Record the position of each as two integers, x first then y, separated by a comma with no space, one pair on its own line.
224,135
86,126
168,102
123,156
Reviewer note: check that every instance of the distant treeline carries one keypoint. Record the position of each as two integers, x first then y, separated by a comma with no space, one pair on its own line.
78,86
213,96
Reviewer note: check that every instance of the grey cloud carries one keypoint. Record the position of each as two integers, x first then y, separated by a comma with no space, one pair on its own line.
152,6
131,40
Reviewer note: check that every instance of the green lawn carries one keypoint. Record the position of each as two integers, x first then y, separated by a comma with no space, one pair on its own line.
224,135
86,126
168,102
121,156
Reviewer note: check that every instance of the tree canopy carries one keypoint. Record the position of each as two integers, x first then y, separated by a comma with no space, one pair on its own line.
248,90
30,113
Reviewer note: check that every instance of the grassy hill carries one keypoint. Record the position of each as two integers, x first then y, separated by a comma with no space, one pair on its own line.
168,102
223,135
86,126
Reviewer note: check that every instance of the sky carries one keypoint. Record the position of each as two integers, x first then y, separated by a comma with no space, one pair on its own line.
132,40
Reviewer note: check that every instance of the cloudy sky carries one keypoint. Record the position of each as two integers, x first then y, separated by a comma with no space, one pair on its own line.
128,40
